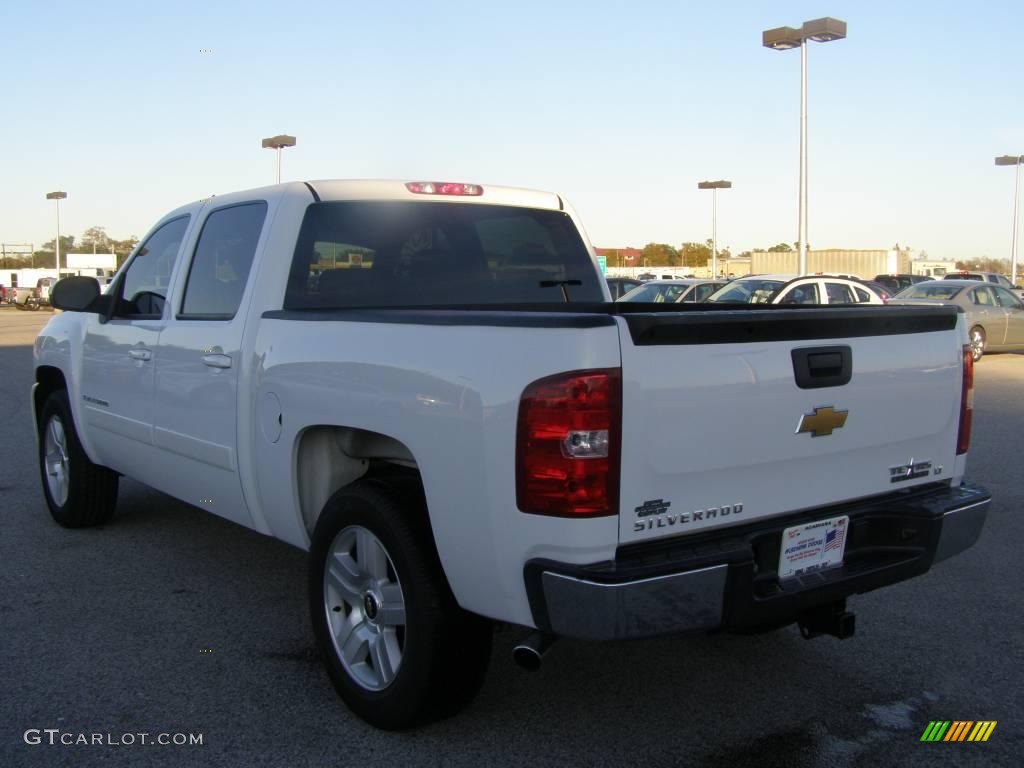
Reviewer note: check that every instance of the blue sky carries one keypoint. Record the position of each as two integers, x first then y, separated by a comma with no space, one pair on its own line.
622,107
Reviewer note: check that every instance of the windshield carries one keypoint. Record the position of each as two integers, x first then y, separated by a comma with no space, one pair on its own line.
657,293
751,291
930,291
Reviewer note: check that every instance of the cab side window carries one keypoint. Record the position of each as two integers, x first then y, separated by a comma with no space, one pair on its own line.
143,288
221,264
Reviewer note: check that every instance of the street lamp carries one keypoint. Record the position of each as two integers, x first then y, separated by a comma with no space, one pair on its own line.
57,196
1018,161
714,186
279,143
782,39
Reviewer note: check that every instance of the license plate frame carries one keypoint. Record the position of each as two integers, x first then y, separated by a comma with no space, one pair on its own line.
816,546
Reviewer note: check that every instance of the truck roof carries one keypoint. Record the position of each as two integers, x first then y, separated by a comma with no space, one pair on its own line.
394,189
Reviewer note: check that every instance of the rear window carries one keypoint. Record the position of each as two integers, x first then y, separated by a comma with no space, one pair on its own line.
931,291
395,254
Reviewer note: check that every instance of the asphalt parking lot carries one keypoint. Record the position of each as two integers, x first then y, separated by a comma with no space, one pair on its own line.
170,620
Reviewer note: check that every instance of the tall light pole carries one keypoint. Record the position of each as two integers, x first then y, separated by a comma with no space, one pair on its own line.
1018,161
278,143
714,186
57,196
782,39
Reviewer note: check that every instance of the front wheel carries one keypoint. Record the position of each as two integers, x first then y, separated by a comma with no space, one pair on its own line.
977,338
78,492
398,648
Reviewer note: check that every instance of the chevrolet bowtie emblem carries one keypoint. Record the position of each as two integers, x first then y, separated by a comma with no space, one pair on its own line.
822,421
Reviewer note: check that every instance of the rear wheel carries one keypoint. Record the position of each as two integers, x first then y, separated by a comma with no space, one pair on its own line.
977,337
397,646
78,492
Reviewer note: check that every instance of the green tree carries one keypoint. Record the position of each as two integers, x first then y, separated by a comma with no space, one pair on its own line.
985,264
780,248
695,254
659,255
67,243
122,248
95,238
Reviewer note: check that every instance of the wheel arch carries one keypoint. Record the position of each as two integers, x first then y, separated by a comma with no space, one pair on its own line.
329,457
48,379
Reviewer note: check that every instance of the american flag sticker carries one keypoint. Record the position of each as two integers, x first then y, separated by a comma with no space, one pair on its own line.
834,539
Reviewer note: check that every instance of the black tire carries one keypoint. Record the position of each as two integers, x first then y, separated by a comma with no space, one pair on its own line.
445,650
977,342
91,489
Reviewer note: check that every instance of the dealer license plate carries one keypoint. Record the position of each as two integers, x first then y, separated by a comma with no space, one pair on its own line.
813,546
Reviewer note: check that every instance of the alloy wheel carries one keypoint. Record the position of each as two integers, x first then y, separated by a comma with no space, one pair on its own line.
365,607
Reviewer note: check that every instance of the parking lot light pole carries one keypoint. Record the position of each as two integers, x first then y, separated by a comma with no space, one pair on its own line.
714,186
278,143
1017,160
57,197
782,39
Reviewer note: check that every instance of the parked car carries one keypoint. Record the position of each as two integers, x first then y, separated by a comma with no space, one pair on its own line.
43,287
995,316
790,289
447,465
4,293
896,283
619,286
26,298
988,277
673,291
883,291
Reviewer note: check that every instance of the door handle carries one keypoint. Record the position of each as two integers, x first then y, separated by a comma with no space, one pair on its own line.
217,361
140,354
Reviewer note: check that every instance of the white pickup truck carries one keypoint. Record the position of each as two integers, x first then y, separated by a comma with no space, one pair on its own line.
425,385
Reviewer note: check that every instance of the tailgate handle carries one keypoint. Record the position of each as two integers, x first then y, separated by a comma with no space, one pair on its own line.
815,367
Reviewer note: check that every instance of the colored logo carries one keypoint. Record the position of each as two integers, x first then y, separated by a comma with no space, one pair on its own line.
822,422
958,730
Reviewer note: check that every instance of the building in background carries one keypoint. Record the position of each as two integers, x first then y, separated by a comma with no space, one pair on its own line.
932,268
840,261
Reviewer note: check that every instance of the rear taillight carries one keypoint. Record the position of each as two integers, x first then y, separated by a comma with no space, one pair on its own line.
444,188
963,437
567,445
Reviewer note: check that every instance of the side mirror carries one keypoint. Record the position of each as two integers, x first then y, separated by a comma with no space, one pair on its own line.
75,294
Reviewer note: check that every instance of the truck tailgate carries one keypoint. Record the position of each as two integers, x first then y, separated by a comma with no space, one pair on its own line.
717,431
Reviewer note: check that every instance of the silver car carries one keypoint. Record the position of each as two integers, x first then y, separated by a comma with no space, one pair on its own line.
995,317
682,291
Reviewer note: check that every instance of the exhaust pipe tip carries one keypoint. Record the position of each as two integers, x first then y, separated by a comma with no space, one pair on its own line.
527,658
529,654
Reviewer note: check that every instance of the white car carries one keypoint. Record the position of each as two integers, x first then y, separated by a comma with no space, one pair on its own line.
792,289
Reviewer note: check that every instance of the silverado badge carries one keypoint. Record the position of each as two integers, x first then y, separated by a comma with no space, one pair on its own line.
822,422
